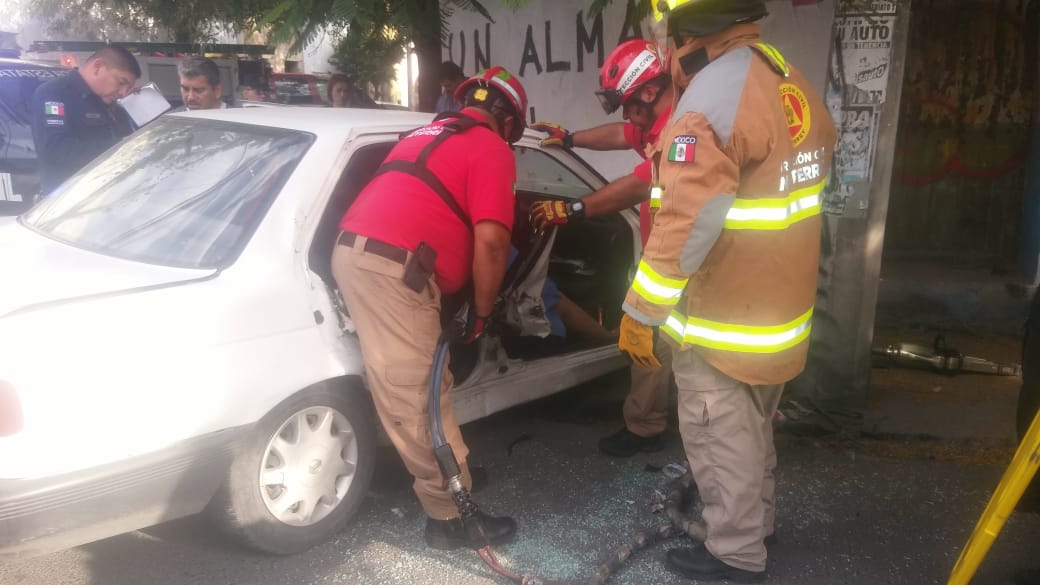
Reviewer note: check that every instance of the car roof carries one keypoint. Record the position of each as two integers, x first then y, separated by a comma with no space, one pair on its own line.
6,63
316,120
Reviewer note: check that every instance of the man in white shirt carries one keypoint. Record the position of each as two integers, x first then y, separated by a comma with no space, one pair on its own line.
200,84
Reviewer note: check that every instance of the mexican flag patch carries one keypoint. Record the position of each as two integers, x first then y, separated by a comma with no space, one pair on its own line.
683,149
54,109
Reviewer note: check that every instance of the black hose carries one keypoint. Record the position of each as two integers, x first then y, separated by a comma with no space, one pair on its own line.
451,471
677,524
434,398
680,491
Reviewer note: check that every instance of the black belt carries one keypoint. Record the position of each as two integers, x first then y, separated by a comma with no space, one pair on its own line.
377,247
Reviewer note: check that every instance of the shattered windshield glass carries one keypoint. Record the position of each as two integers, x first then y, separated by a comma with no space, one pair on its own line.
180,192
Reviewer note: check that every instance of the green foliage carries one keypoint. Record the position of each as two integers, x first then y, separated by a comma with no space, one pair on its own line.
301,21
369,51
183,21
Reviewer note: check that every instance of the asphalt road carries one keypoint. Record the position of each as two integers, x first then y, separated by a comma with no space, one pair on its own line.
850,511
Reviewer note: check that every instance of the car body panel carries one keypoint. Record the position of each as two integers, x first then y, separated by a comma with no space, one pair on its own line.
128,362
66,510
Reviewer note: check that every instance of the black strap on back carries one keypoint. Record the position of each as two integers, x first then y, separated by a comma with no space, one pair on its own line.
419,170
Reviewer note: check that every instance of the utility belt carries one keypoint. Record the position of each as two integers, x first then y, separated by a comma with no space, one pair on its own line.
418,268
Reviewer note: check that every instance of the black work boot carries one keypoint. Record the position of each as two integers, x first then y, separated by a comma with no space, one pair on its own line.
625,443
451,534
697,563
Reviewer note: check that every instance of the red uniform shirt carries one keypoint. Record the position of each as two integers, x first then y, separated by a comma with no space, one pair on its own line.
478,169
638,140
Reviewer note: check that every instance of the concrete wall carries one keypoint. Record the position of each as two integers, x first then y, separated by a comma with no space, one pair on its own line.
557,51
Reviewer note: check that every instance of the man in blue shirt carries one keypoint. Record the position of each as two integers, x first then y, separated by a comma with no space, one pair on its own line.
451,76
75,117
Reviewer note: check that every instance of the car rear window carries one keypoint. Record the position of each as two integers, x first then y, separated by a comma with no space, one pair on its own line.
180,192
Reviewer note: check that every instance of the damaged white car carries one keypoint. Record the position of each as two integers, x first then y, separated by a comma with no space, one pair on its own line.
172,341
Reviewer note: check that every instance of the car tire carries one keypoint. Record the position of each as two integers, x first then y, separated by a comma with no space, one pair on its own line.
302,473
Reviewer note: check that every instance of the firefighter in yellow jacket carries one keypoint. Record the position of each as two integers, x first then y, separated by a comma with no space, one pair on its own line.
729,272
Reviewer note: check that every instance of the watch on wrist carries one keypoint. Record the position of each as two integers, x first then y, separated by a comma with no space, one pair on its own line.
568,140
577,209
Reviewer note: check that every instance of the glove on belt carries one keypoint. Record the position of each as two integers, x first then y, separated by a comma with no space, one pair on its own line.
637,340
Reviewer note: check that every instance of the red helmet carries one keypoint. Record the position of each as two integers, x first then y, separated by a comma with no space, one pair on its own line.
506,83
626,69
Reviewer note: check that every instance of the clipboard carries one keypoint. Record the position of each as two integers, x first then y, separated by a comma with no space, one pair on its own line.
145,104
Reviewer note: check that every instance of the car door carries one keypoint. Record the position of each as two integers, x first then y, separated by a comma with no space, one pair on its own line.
590,262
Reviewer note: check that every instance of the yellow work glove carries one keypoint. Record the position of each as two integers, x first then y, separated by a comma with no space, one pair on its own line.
558,135
637,340
544,214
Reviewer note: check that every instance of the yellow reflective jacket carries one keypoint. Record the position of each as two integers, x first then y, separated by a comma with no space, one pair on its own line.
731,264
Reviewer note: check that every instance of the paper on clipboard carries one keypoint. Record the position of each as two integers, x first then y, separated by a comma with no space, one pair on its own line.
145,104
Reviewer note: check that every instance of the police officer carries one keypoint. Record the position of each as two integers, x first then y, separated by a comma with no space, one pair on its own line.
200,84
635,79
75,117
729,272
437,215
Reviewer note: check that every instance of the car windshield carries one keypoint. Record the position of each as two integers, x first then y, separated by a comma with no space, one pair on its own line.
180,192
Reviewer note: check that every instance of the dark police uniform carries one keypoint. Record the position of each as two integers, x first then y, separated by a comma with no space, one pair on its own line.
71,126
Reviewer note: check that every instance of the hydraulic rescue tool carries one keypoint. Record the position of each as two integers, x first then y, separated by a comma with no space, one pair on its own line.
943,359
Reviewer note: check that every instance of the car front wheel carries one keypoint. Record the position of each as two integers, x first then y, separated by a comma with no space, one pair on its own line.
302,473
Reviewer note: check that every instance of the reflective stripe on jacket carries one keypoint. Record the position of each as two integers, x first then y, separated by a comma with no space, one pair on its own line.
731,265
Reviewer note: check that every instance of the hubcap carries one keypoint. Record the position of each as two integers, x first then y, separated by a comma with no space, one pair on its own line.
308,466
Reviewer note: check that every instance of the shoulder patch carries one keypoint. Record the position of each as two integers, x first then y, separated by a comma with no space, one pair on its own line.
426,131
683,149
796,112
715,92
54,108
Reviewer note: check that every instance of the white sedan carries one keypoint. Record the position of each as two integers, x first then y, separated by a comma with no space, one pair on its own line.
171,340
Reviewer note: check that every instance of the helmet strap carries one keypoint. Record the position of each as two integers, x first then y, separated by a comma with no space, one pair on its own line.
501,113
693,62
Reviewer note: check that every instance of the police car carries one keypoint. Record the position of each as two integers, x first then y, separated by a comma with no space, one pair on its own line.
173,341
19,175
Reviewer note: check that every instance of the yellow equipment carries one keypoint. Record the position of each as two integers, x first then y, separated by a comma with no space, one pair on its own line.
1015,481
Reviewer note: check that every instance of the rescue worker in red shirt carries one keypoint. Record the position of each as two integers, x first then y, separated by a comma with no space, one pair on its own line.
635,78
437,216
729,273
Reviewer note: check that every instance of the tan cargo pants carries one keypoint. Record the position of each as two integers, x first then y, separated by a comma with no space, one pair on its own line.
646,406
398,329
727,433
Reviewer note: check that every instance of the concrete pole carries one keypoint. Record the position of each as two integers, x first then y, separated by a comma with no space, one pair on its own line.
836,380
